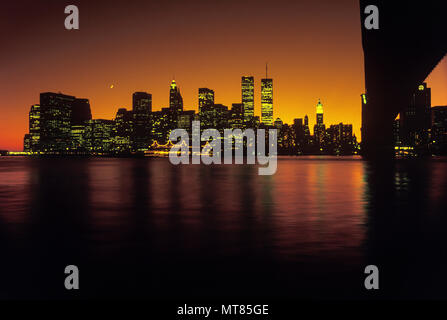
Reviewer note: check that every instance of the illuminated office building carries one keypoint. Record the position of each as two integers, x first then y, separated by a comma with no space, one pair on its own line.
55,128
123,130
339,139
319,128
185,120
267,101
206,98
236,116
163,122
248,98
214,116
99,136
78,138
175,98
34,128
141,110
27,143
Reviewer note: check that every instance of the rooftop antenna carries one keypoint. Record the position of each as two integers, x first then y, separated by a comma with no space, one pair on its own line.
266,70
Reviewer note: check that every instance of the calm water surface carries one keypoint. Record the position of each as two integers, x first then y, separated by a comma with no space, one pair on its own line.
146,228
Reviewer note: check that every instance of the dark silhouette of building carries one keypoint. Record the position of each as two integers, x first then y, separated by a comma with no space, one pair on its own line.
123,131
278,123
80,112
236,116
415,120
141,130
175,98
439,130
300,136
214,116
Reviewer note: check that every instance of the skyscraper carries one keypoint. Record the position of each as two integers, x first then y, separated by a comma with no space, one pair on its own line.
319,112
267,101
175,98
416,118
206,98
80,115
34,128
248,98
319,128
141,109
123,130
439,130
306,127
55,129
99,136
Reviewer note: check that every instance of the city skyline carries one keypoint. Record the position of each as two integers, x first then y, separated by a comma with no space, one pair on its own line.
63,124
126,48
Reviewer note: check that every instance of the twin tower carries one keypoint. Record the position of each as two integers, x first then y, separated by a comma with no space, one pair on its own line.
248,101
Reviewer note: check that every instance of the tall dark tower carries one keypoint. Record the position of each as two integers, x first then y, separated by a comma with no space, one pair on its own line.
175,98
306,127
415,120
141,109
248,98
319,128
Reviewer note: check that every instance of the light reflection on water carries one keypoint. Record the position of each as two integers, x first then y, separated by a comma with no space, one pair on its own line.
314,225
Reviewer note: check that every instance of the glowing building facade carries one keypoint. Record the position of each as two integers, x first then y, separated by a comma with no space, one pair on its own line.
55,126
34,128
206,98
319,128
248,98
267,102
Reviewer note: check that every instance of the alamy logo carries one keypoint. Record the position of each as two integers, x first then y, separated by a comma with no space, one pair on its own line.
72,20
211,153
372,280
372,20
72,280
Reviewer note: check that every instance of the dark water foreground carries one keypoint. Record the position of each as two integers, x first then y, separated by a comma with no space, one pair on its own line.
146,228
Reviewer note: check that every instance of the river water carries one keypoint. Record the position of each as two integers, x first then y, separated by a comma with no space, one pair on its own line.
148,229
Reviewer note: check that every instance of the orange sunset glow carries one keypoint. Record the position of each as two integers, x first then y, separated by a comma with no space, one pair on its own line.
313,49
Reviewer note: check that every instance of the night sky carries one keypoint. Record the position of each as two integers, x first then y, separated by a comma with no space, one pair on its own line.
313,49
